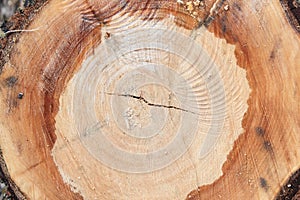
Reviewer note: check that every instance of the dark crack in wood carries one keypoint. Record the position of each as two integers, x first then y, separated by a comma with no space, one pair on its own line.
152,104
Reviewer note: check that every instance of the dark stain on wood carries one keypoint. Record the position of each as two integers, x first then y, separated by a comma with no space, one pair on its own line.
223,24
275,50
263,183
273,54
237,6
260,131
268,146
290,188
11,81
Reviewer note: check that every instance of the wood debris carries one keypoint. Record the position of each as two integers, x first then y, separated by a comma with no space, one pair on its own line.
192,7
226,7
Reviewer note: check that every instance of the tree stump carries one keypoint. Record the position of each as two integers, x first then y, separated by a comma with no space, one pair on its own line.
152,100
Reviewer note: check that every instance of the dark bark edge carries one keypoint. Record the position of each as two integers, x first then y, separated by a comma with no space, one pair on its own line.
13,189
292,12
290,189
19,21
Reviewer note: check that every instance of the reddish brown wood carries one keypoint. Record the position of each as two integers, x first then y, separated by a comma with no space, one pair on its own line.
42,63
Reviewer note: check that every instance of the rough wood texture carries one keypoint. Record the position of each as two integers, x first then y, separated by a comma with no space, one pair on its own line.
153,100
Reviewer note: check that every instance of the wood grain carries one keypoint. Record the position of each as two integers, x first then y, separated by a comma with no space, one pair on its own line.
153,99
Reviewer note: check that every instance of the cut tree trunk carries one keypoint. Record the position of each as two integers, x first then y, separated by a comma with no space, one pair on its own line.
153,100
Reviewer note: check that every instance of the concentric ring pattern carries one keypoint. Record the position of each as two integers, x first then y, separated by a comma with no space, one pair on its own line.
111,98
150,96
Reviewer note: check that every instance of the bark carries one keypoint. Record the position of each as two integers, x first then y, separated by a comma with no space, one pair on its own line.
152,100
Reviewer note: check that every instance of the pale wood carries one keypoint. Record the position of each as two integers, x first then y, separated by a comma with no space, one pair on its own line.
234,83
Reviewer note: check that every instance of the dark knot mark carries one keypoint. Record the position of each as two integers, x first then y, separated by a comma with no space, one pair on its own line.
260,131
11,81
263,183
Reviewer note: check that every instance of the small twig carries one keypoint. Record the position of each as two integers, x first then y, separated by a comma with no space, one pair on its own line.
3,34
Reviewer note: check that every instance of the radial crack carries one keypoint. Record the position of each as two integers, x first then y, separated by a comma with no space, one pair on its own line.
152,104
